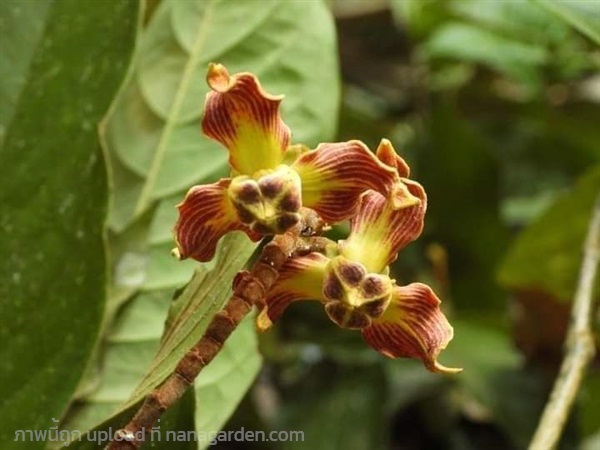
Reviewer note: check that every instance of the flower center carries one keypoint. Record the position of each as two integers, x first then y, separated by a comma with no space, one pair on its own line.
354,297
269,203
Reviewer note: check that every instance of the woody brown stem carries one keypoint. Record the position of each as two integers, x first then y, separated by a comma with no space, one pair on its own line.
249,289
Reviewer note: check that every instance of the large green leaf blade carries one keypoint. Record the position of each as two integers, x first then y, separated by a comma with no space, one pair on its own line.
154,133
53,196
18,45
146,131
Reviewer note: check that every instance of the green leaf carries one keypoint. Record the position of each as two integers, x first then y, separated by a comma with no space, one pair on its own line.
53,196
154,136
132,343
546,256
472,43
583,15
156,152
527,23
19,44
519,19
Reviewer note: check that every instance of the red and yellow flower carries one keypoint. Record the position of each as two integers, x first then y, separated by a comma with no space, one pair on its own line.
352,281
271,179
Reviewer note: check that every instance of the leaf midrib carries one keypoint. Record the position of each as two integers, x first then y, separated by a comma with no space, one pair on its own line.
175,110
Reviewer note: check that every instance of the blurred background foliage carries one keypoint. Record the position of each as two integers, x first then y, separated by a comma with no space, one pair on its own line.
495,105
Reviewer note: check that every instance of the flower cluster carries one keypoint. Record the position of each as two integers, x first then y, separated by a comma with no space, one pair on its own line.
272,179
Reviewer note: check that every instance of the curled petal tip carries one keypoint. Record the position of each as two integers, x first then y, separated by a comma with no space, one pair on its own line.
408,193
218,77
387,155
175,253
440,368
403,198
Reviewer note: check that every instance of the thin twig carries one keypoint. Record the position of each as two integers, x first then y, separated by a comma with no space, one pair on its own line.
579,346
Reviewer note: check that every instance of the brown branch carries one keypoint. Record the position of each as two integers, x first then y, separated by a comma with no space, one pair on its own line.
249,289
579,346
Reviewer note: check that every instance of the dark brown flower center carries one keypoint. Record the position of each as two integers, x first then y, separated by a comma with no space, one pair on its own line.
269,204
353,296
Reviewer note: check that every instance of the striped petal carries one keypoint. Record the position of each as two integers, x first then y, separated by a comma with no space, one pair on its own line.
334,175
245,119
413,326
300,278
378,231
205,215
387,155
